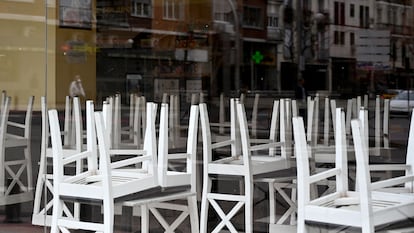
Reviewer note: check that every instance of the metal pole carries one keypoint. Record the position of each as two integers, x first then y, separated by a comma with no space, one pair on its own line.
299,20
237,46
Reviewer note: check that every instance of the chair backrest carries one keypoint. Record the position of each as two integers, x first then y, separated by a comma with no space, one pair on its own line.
28,118
233,141
150,140
363,117
138,120
144,159
117,118
305,179
178,178
89,155
3,130
410,151
363,172
67,122
45,128
255,111
77,124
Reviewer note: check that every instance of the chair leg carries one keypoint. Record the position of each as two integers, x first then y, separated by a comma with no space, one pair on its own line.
293,215
205,205
192,206
57,213
144,219
272,204
108,216
248,205
301,227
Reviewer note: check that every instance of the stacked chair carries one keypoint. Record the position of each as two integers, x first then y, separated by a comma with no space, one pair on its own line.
112,175
16,168
103,182
364,208
72,135
243,163
176,184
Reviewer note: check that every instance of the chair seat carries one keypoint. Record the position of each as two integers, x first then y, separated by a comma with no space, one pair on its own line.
348,208
260,164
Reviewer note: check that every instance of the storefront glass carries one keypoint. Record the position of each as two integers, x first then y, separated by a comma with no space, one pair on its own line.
186,52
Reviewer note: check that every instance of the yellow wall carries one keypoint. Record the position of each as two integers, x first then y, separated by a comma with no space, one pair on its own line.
22,51
23,60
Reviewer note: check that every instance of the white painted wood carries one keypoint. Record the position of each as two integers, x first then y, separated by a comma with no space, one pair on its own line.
337,208
104,182
44,186
255,111
172,178
16,167
254,159
404,182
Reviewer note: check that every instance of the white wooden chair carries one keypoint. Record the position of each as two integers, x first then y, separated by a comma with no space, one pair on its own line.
103,184
402,183
285,186
364,209
223,124
242,164
13,167
43,200
131,135
172,179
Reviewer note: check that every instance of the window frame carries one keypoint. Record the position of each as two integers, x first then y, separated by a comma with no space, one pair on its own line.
134,3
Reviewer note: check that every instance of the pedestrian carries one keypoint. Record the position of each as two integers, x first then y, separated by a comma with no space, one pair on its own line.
301,95
300,92
76,88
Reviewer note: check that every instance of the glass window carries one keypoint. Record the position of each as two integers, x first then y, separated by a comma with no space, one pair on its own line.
351,10
379,15
252,17
272,21
141,8
173,9
336,37
352,38
171,51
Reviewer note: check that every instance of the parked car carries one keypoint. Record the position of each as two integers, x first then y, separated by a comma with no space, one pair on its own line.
390,93
402,102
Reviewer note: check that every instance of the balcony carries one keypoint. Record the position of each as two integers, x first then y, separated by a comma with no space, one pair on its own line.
395,29
224,26
274,34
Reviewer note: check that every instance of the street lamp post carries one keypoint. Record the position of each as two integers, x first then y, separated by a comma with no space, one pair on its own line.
299,22
236,45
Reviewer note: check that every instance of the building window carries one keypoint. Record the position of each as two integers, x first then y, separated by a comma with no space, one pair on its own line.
379,15
363,16
141,8
272,21
339,38
403,18
339,14
352,38
173,9
336,37
342,38
352,10
252,17
321,5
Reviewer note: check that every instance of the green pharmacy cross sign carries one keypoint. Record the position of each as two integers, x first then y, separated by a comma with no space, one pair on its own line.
257,57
